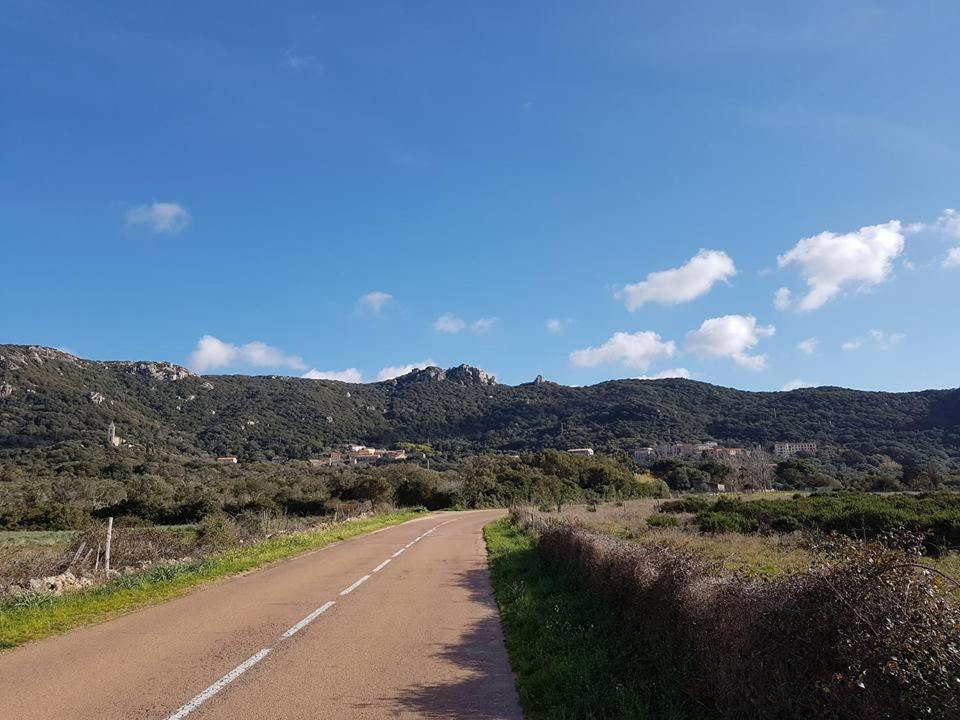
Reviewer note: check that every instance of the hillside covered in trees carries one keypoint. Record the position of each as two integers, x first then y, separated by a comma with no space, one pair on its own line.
51,401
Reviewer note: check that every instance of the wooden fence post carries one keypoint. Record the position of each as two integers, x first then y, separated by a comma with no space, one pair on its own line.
106,557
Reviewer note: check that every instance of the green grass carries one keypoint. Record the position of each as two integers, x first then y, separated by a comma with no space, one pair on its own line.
33,616
572,659
35,537
63,537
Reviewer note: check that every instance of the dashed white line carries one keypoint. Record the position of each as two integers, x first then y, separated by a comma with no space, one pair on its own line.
357,584
308,619
219,685
240,669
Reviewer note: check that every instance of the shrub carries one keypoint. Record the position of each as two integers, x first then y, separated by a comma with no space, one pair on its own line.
867,633
685,505
855,514
785,524
726,522
661,521
217,531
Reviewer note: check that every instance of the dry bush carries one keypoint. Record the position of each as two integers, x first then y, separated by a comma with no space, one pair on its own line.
136,547
866,633
132,546
18,562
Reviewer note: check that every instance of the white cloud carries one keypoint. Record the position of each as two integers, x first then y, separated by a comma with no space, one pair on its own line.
831,262
683,284
555,327
730,336
375,301
448,323
162,217
796,385
808,346
886,341
303,62
665,374
350,375
212,353
782,298
947,224
388,373
635,350
882,340
482,326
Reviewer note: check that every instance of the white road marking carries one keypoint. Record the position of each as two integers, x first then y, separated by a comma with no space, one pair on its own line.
240,669
219,685
357,584
418,539
309,619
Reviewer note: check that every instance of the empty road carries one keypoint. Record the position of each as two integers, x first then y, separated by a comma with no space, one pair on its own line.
400,623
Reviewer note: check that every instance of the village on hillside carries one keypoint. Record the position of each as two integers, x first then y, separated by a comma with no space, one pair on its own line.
355,454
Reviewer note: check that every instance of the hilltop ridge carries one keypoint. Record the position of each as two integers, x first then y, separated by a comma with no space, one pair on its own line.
51,399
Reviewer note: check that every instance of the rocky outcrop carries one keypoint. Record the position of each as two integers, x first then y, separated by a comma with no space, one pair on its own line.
6,390
462,375
161,371
40,354
19,356
96,398
540,381
469,375
427,374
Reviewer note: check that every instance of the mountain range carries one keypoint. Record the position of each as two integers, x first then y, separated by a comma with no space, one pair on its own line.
50,398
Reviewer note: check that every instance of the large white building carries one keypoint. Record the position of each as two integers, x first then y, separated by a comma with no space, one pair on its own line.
788,449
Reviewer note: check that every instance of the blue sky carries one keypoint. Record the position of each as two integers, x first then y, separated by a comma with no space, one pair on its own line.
226,184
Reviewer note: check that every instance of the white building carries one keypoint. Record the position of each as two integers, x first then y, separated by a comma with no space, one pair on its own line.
788,449
641,454
581,451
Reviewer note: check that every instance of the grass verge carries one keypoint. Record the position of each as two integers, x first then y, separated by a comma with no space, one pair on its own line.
35,616
571,658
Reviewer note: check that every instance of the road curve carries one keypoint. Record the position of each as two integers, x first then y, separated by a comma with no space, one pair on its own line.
336,633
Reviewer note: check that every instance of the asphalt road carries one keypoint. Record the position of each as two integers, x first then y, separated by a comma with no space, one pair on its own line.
400,623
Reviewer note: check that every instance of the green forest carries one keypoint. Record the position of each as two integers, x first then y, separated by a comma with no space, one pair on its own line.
489,443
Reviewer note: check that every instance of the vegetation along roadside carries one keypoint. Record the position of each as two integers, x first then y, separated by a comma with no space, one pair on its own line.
32,616
570,655
865,631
